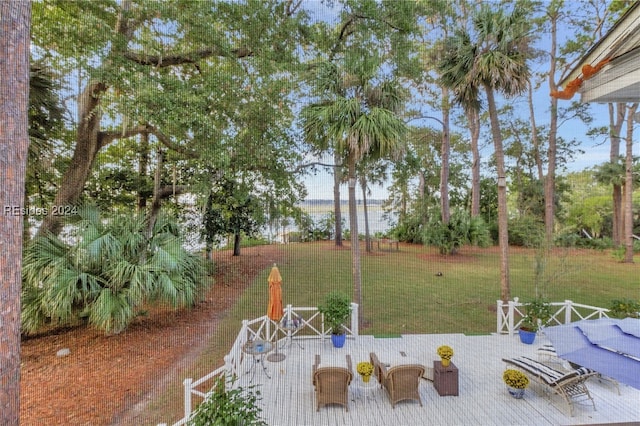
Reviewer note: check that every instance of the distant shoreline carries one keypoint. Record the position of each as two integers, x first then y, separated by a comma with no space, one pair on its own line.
326,206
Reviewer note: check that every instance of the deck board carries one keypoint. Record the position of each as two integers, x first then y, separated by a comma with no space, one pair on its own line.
288,398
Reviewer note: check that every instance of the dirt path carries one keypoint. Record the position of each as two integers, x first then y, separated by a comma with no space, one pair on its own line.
111,379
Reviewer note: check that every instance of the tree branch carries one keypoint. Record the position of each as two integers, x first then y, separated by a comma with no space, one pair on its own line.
302,166
186,58
164,139
105,138
169,191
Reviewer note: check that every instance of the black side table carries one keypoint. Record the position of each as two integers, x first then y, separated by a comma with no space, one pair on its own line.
445,379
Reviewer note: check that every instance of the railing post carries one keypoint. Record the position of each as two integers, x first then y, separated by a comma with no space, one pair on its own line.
187,398
499,316
510,319
245,326
267,329
229,372
568,310
354,318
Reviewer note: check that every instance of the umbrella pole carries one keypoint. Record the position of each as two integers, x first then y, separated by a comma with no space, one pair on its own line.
276,356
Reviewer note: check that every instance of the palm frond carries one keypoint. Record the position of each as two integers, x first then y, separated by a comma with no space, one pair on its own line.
33,313
111,311
43,257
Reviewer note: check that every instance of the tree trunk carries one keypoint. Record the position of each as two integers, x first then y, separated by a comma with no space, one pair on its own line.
15,21
143,162
503,219
445,152
84,155
337,177
160,193
534,132
473,119
550,180
236,243
628,188
355,244
367,235
616,120
155,205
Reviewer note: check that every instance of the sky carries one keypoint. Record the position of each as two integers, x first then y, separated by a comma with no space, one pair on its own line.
596,151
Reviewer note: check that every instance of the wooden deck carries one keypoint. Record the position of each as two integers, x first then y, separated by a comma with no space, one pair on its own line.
288,397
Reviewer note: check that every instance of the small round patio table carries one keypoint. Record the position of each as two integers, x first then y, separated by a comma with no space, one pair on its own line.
289,327
365,389
257,349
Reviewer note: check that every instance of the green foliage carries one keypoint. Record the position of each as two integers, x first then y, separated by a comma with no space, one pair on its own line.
46,131
624,308
108,273
231,209
462,229
336,309
409,230
577,240
526,231
228,407
618,253
537,313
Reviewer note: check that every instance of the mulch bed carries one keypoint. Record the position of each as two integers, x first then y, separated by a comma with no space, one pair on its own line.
104,378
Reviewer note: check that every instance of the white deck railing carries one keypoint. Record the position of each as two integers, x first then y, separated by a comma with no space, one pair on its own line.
263,328
509,315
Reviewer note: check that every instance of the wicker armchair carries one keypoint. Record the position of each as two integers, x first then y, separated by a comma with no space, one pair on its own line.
332,383
400,381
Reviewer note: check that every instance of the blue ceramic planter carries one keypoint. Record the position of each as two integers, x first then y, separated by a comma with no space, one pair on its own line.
516,393
527,337
338,340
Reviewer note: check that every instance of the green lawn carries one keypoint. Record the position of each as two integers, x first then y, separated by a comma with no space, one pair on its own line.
403,292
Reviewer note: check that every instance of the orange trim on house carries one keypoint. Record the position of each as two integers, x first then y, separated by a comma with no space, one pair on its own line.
588,71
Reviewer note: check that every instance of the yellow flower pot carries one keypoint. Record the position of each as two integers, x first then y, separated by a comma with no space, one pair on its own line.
445,362
365,378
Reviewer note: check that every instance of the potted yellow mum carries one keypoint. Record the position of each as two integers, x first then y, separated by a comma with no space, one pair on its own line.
445,353
365,369
516,382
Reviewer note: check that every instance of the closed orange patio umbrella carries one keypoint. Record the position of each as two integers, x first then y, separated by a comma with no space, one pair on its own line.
274,308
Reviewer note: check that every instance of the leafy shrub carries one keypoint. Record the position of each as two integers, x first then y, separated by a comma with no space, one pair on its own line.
409,230
618,253
336,309
526,231
109,272
577,240
624,308
228,407
461,230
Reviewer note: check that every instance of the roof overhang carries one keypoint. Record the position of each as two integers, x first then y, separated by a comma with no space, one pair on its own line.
619,79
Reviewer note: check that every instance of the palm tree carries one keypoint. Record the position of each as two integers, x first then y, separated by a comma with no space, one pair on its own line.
492,58
358,119
108,274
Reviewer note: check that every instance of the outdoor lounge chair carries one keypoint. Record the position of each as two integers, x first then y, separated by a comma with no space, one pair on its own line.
548,353
570,385
400,381
331,383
